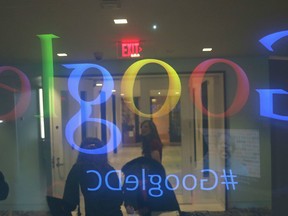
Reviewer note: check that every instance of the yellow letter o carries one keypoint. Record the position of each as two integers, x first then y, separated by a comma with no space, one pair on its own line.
173,95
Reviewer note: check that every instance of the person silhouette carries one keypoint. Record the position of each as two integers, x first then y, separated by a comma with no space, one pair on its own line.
4,188
103,201
151,191
151,142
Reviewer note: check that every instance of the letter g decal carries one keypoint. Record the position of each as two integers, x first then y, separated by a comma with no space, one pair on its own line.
86,106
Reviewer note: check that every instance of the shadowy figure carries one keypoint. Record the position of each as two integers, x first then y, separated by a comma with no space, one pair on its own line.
145,188
4,188
226,147
151,142
101,200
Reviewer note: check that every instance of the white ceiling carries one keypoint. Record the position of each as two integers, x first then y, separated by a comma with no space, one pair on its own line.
230,27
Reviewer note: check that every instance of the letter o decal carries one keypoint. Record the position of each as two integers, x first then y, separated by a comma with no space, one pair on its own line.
173,95
25,95
242,92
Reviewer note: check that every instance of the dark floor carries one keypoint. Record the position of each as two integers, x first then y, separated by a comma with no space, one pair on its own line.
232,212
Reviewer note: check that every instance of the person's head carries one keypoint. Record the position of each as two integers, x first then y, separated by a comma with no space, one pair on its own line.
149,128
92,143
225,146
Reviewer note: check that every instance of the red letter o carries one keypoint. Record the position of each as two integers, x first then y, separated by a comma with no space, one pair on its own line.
242,92
24,98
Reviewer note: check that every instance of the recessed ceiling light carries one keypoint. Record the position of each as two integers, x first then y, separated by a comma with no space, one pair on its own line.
61,54
135,55
98,84
120,21
154,27
207,49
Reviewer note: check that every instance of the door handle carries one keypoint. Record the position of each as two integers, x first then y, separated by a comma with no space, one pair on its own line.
58,164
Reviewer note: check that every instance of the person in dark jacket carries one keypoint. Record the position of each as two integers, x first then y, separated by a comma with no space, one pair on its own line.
89,172
155,196
4,188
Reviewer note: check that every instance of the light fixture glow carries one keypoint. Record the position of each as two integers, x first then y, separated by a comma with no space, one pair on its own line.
135,55
61,54
154,27
207,49
1,121
113,90
120,21
41,109
99,84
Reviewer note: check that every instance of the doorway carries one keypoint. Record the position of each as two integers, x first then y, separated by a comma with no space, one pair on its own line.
189,137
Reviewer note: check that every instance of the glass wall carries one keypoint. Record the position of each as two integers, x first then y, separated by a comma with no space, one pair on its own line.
221,122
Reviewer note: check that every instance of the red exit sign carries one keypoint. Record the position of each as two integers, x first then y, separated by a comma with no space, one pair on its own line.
130,49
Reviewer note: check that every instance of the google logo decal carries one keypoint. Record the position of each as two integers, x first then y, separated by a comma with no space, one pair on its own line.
127,84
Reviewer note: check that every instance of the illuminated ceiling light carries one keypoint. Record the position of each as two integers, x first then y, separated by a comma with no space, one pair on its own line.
159,93
120,21
98,84
135,55
154,100
154,27
61,54
207,49
113,90
1,121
